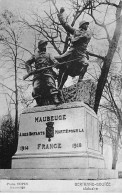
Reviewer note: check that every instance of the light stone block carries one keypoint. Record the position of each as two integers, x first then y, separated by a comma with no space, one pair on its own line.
71,153
75,143
57,174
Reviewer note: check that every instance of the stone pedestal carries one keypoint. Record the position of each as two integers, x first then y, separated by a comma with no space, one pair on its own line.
59,142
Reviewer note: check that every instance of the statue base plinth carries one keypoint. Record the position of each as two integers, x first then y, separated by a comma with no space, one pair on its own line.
58,174
59,161
59,142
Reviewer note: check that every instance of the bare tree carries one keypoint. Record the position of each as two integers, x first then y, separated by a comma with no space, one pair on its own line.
12,57
50,28
112,105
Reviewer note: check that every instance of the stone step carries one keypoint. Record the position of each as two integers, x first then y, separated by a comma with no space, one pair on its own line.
58,174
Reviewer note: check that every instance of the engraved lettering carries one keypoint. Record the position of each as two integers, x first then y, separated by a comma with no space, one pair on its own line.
32,133
40,120
44,119
49,146
36,119
38,146
43,146
22,148
68,131
50,118
76,145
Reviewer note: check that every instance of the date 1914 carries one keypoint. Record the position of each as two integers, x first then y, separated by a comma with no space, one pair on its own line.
24,148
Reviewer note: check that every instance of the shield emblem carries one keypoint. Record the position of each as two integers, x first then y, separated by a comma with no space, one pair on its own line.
49,130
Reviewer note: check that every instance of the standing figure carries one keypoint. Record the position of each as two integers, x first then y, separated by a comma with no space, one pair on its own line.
44,86
76,56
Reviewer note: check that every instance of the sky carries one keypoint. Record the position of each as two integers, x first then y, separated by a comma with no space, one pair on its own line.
20,6
24,7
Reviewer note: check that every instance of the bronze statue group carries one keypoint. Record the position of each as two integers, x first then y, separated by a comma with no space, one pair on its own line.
73,62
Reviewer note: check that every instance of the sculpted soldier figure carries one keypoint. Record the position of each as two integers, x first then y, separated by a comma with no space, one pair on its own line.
44,86
78,49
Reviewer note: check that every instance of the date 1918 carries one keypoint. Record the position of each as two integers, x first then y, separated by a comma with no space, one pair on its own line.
76,145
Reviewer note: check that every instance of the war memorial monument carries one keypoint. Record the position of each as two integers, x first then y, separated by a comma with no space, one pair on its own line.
59,140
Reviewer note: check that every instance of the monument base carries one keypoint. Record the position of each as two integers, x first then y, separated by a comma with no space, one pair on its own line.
59,143
58,174
59,161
